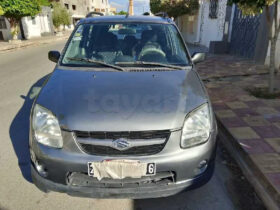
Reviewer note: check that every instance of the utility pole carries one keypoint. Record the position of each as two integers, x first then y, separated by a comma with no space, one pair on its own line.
130,11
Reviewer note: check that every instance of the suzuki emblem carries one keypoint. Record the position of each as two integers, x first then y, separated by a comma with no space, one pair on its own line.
121,144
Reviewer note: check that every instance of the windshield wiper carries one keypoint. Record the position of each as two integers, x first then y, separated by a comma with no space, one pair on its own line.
96,62
151,64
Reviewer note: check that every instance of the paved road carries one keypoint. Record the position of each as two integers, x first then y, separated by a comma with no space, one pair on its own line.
21,69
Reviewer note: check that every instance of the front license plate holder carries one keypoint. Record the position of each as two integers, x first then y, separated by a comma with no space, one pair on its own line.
150,169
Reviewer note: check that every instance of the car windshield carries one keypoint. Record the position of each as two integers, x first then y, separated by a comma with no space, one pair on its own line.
129,44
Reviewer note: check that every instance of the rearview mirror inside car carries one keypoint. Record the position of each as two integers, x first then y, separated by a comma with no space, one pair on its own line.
54,56
198,57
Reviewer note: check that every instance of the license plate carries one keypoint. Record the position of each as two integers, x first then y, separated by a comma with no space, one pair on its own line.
120,169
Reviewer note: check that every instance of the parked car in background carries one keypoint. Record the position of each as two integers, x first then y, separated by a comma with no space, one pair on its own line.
124,114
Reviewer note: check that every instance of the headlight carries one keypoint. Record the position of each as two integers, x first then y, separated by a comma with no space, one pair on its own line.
197,126
46,127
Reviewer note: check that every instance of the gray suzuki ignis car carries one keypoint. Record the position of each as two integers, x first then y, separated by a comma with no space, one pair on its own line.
124,114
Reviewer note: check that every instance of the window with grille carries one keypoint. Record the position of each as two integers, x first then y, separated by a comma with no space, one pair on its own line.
2,23
213,9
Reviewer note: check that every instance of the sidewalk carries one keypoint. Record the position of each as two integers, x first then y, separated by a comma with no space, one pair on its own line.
6,46
250,126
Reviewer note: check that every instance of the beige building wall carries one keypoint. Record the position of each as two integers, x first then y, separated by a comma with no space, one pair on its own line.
78,9
113,10
102,6
189,27
200,28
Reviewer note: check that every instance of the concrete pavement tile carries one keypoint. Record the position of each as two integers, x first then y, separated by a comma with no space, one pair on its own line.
218,101
277,124
219,106
267,110
267,162
256,103
212,85
248,79
224,83
256,146
215,90
228,98
274,143
273,118
246,98
227,113
274,179
233,122
244,133
260,85
272,102
215,98
246,112
268,131
256,121
237,105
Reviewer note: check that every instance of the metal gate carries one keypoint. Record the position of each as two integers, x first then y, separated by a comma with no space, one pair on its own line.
244,34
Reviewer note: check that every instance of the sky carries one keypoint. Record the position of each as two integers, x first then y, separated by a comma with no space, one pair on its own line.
140,6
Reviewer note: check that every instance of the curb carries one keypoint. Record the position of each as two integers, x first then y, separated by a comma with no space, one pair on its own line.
263,188
31,43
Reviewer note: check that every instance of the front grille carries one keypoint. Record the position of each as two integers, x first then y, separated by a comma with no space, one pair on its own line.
103,150
127,134
139,150
83,180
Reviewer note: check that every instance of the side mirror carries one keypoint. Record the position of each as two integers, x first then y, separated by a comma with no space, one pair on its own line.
54,56
198,57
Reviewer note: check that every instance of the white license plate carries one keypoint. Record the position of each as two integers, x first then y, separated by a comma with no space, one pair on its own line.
120,169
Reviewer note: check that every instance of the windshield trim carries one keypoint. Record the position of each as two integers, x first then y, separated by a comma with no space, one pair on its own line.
144,63
62,56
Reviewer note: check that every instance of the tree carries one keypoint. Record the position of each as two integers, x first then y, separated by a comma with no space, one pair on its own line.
174,8
14,10
60,16
66,19
255,7
45,3
122,13
1,11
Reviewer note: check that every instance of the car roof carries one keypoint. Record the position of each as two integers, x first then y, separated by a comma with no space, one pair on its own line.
126,19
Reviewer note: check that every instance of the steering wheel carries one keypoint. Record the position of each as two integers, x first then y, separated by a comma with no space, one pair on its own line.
97,56
151,52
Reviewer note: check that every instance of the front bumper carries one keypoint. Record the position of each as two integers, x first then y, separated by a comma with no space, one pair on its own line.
182,162
133,193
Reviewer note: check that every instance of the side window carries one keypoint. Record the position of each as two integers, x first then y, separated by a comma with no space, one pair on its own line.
169,40
77,43
213,9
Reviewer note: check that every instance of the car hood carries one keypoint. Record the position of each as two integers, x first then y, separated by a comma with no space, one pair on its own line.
121,101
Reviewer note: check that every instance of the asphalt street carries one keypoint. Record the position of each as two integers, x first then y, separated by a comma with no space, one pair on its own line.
22,69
